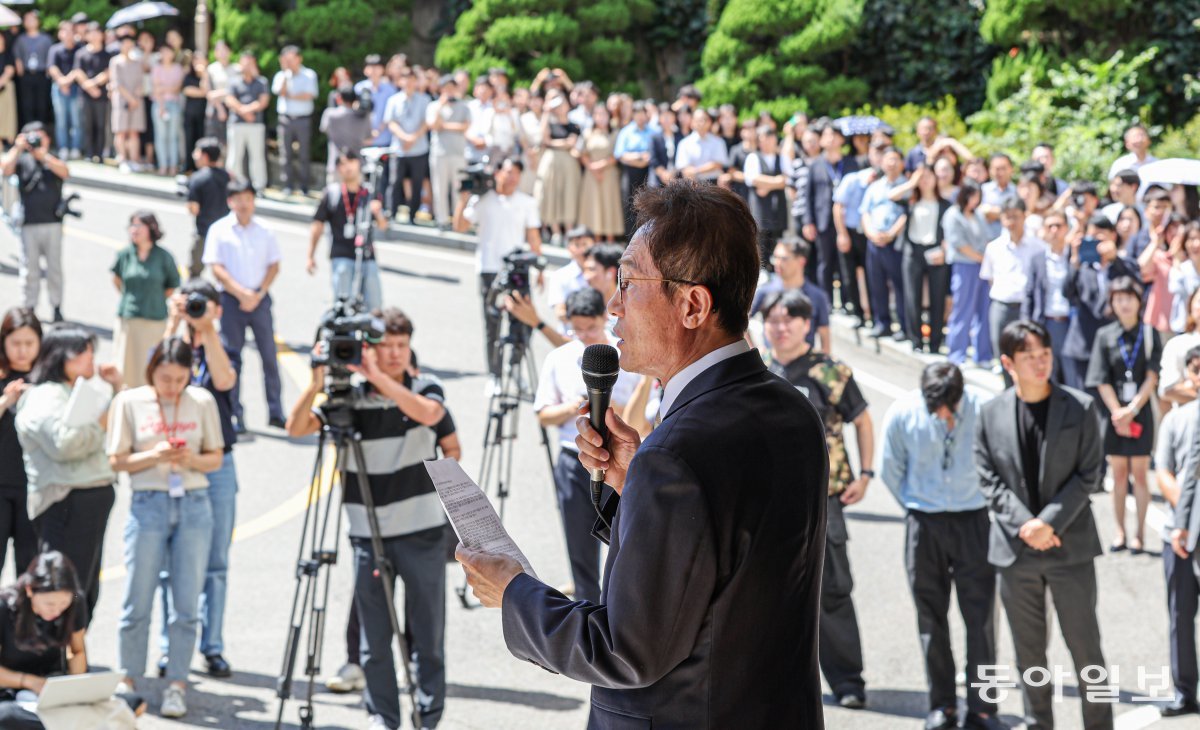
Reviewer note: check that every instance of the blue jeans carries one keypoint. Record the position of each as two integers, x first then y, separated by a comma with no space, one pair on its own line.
884,268
343,281
68,110
968,317
167,133
222,494
175,531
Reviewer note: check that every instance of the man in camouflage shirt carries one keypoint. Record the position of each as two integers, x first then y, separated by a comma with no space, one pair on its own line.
830,386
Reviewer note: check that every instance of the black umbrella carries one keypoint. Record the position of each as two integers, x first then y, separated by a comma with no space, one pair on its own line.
139,12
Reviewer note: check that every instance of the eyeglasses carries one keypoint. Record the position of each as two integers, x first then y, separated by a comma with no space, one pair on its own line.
1055,225
623,281
776,259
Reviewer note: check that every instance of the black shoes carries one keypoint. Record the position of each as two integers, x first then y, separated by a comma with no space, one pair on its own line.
983,722
1179,707
58,317
218,667
942,719
162,666
277,422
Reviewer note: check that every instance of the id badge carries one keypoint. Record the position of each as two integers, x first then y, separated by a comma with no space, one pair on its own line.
349,230
1129,391
174,484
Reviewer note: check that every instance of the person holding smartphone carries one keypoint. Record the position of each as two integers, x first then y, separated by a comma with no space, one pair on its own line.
1124,371
167,436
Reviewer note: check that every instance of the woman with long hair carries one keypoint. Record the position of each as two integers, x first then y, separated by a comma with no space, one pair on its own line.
1173,383
126,81
1185,278
8,94
196,88
557,186
70,481
924,260
145,275
167,79
600,193
166,436
1129,223
967,236
20,340
1124,370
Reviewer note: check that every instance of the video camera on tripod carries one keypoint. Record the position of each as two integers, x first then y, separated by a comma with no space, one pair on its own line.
514,278
343,331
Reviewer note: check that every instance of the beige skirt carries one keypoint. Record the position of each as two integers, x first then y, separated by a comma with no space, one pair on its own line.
8,112
133,341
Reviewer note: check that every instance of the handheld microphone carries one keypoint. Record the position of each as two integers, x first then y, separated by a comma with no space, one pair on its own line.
600,369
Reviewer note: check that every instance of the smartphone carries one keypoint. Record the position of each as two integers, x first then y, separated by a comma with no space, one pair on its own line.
177,443
1135,430
1087,250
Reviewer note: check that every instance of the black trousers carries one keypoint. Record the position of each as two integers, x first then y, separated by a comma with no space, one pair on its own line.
916,269
1183,590
851,262
633,179
839,646
415,169
15,526
944,551
75,527
33,99
828,261
419,560
15,717
193,130
95,125
1023,587
766,247
573,485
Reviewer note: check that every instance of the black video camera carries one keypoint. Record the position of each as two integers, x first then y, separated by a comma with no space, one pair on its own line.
341,336
478,178
515,276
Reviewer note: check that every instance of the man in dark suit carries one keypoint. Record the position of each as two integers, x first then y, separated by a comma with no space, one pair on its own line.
1043,535
815,184
722,505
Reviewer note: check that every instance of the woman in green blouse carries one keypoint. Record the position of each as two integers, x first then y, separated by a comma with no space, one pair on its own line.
145,274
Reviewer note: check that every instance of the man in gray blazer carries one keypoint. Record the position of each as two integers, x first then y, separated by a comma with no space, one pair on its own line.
1040,459
708,613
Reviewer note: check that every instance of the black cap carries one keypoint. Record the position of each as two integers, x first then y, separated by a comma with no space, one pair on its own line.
33,127
579,232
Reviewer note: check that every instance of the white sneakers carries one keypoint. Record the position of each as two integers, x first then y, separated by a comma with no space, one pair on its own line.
349,678
173,704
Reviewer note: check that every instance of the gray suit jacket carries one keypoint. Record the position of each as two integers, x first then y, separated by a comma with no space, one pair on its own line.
1187,514
1072,470
708,615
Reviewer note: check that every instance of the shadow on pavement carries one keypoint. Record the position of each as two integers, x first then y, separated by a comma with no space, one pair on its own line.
539,700
412,274
871,516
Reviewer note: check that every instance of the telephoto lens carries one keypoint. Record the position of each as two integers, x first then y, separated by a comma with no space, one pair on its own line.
196,305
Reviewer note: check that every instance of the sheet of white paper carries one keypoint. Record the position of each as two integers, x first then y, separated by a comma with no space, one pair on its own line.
471,512
85,405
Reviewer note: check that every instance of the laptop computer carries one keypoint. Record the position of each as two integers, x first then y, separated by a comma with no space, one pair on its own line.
78,689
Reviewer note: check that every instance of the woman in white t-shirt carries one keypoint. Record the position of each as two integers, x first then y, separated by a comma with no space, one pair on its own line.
166,436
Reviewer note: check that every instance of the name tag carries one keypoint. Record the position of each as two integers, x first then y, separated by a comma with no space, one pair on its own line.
174,484
349,230
1129,391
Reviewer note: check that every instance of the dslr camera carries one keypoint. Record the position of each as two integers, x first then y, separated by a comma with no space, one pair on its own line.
478,178
34,139
342,333
514,278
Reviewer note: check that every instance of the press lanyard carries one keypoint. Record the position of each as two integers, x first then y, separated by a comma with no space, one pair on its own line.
1130,360
350,210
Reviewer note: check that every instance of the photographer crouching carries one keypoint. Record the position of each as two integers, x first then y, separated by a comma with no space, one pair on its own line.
505,219
395,415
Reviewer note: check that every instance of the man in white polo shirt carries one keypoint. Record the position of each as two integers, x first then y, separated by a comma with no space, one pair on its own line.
1006,265
244,257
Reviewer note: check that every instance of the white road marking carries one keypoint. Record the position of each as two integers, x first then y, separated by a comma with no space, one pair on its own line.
1144,716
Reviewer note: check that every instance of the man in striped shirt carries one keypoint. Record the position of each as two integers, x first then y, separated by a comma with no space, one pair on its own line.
396,415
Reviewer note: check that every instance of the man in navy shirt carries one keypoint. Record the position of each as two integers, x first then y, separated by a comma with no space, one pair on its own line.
790,258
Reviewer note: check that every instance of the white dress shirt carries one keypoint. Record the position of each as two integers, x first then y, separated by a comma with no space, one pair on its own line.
676,384
502,222
561,381
246,252
694,151
1006,266
303,81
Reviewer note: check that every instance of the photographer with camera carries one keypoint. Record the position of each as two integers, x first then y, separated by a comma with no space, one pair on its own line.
560,394
349,208
197,305
395,416
347,125
505,218
40,175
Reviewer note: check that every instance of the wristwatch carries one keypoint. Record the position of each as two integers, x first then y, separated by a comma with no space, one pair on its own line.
540,326
868,473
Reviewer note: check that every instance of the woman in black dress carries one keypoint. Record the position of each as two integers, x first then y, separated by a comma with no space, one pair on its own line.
1124,371
20,341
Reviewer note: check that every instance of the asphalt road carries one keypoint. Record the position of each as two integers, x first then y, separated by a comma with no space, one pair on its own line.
488,688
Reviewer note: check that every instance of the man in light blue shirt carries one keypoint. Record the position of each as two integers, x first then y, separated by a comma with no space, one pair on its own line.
997,191
381,91
295,87
929,466
882,221
847,220
405,116
633,149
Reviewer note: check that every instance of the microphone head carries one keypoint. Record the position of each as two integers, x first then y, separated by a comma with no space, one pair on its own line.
601,363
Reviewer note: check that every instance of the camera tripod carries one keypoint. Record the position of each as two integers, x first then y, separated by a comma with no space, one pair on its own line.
518,380
318,550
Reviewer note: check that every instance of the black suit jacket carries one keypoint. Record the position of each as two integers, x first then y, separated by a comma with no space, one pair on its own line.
1083,289
708,615
1072,470
815,186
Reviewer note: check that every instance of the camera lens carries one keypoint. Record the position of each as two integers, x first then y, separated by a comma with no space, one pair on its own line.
196,306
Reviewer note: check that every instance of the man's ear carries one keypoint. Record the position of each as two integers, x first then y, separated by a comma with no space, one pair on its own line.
695,305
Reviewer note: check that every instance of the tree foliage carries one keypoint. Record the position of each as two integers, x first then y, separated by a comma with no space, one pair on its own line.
585,39
772,49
